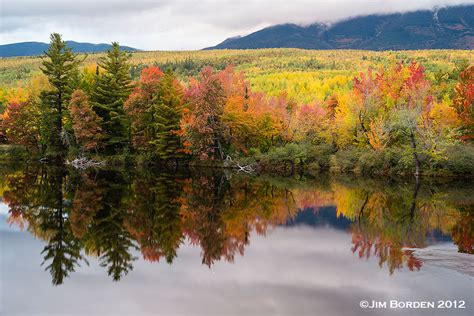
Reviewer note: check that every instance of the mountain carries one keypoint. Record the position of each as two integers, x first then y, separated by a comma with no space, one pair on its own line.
449,27
37,48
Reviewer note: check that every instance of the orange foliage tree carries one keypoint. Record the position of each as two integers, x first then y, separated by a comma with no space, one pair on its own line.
85,122
464,102
21,123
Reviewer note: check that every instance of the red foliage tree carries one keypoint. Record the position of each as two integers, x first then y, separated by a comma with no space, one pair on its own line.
203,123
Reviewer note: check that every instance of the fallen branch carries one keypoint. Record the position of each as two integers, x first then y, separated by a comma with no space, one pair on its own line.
83,163
236,165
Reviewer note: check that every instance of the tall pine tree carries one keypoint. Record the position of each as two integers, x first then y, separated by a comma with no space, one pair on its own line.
61,68
168,113
111,90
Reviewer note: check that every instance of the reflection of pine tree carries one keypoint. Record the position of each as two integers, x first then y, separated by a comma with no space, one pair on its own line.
114,251
155,219
107,234
63,249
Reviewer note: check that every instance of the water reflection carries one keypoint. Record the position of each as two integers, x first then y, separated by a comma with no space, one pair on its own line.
112,214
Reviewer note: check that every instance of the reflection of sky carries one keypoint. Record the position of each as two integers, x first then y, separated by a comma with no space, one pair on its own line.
292,271
3,219
3,209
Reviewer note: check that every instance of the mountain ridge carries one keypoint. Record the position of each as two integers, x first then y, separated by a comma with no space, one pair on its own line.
23,49
440,28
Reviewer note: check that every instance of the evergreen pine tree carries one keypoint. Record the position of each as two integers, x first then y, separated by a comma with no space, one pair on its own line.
167,116
112,88
61,69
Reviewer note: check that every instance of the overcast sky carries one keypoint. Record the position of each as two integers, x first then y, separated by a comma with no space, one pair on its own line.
177,24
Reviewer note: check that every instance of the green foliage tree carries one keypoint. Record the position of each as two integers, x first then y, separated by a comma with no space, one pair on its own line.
140,108
155,110
61,69
111,90
168,115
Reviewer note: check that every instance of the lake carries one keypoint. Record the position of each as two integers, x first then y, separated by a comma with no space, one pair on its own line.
141,242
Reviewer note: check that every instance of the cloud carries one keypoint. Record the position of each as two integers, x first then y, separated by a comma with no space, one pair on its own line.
28,8
291,271
178,24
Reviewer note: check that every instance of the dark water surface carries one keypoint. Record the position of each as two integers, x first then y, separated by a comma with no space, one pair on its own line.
115,242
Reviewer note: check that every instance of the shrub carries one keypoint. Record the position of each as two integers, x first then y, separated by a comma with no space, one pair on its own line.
283,159
345,160
319,155
386,161
460,159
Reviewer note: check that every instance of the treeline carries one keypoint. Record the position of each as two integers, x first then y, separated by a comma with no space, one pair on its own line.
393,120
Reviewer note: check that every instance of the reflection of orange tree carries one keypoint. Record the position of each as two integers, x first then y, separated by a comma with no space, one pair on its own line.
390,219
463,231
220,215
21,196
85,205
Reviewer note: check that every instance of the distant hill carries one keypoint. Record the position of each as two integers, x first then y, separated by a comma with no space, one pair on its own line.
37,48
451,27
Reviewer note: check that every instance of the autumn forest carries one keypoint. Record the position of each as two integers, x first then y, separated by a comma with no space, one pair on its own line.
277,111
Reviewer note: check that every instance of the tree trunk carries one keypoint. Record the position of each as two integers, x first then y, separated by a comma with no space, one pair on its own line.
415,154
59,126
415,194
220,152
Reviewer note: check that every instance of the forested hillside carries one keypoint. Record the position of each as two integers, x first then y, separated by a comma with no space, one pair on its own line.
450,27
38,48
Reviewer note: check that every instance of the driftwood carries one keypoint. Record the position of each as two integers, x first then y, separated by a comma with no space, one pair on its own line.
229,162
84,163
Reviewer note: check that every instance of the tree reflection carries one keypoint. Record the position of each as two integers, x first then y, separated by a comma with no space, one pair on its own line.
391,220
463,231
106,235
116,215
37,196
153,215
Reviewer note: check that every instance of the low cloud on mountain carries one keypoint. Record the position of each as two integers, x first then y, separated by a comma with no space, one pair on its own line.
179,24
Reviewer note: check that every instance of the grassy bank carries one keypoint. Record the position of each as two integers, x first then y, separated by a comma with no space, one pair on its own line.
457,161
292,159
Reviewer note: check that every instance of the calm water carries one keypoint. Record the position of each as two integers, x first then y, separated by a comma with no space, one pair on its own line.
109,242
